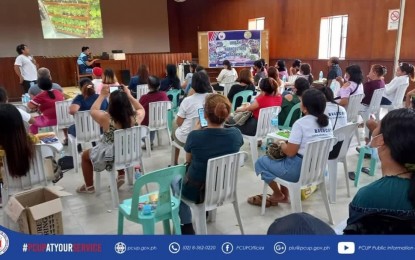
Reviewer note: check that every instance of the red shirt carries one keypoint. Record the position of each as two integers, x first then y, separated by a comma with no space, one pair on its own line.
151,97
46,104
266,101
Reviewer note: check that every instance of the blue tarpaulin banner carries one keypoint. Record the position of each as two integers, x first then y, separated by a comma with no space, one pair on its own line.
241,48
15,245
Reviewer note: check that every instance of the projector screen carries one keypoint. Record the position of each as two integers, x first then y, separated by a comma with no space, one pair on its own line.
62,19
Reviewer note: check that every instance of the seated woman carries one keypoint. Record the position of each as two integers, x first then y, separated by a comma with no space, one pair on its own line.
171,81
84,102
124,111
273,73
282,70
108,78
45,103
404,73
153,95
304,72
140,79
14,141
336,113
295,67
226,75
394,193
259,72
222,141
374,82
188,79
290,100
315,125
188,110
350,85
267,98
245,83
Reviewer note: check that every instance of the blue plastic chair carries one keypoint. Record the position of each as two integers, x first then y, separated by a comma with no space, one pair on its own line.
365,150
286,125
167,206
245,95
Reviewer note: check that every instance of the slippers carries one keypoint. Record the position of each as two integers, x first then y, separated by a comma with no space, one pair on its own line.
257,201
120,181
366,170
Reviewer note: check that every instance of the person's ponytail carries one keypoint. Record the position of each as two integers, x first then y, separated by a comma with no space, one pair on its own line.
323,120
51,94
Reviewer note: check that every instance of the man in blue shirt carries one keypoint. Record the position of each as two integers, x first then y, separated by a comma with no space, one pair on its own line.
335,70
84,64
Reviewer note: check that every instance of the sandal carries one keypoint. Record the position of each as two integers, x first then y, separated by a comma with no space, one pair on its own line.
120,180
257,201
84,189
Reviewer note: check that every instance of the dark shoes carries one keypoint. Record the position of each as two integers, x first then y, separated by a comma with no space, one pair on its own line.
145,148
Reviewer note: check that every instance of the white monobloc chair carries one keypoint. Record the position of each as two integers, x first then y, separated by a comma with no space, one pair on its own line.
374,108
353,111
263,128
12,185
64,119
158,120
174,144
220,189
344,134
141,90
127,154
87,130
397,101
292,78
312,173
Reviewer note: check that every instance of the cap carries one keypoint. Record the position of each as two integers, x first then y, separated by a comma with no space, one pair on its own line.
299,224
97,71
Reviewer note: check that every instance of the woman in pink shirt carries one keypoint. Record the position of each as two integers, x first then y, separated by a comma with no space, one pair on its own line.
45,103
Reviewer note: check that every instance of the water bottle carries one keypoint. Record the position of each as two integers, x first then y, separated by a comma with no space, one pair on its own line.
284,78
320,76
137,172
23,99
62,153
27,97
274,122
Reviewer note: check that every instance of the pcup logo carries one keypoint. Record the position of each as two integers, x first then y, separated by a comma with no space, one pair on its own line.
4,242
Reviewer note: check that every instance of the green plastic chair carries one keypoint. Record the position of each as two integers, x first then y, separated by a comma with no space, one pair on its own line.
364,150
171,115
174,94
244,94
286,125
167,204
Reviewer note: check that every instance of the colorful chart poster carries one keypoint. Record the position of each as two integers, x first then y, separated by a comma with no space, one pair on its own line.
241,48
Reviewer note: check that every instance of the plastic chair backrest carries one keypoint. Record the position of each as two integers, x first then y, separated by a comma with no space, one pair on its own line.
127,146
174,95
164,179
374,106
264,126
400,93
35,176
345,134
245,95
141,90
292,78
353,107
315,161
158,112
87,130
286,125
64,119
222,179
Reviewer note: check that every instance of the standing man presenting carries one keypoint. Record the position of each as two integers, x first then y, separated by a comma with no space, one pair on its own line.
84,62
25,67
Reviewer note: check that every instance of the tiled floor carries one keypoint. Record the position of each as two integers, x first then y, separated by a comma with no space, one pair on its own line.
91,214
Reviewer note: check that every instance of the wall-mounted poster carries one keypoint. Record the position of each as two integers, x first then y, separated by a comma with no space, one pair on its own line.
241,48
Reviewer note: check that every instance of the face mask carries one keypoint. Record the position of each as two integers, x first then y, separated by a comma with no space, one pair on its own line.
374,150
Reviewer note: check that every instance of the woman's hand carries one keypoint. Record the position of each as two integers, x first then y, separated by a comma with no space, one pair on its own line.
340,80
105,91
127,91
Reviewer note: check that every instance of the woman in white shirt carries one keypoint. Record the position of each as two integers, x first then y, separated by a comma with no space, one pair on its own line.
351,84
403,73
227,75
315,125
336,113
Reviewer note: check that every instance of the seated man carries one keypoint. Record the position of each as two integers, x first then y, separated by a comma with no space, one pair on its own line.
42,73
84,62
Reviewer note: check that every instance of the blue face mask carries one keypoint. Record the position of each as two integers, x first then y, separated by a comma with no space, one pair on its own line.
374,150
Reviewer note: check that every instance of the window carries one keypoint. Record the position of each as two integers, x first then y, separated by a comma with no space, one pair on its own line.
256,23
333,34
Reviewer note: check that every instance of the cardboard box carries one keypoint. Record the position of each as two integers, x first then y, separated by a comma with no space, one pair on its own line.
37,211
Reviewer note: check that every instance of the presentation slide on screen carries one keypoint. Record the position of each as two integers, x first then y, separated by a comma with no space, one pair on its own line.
241,48
63,19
